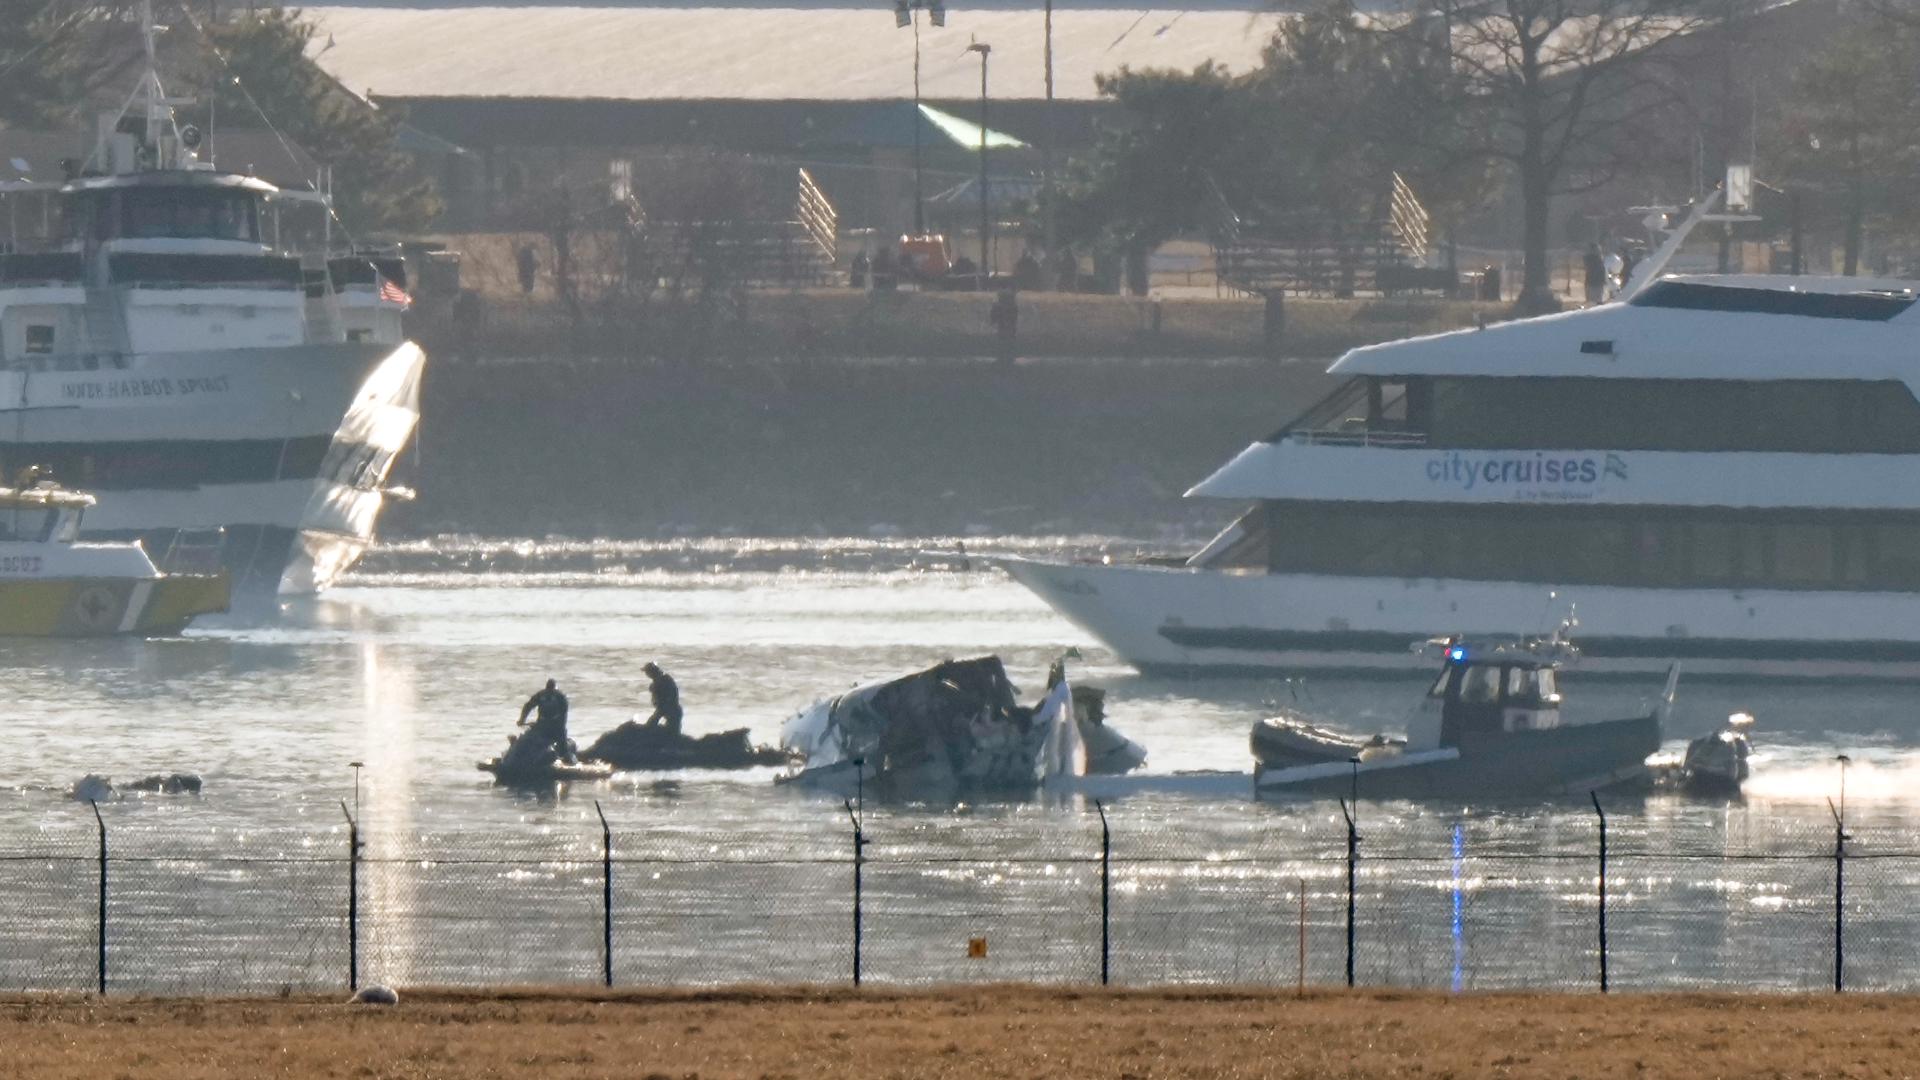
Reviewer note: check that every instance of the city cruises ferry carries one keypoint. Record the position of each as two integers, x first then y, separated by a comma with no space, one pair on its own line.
1723,470
235,402
53,585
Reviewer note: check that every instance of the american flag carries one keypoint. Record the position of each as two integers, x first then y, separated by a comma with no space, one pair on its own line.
394,294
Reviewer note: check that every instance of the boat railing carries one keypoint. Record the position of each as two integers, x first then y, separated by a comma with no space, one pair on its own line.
1358,436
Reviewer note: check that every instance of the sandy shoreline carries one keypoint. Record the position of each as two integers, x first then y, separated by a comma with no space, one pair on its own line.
965,1032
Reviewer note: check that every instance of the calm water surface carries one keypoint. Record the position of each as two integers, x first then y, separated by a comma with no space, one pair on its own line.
418,666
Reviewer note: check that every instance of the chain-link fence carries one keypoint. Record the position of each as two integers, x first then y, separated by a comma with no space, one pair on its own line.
1488,902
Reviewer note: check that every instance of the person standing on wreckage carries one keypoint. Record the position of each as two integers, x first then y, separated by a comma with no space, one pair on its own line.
666,699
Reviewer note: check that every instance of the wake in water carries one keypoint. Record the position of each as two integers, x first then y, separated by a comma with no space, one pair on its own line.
1887,777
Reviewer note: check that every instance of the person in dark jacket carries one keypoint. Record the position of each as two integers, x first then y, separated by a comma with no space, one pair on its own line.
1595,267
549,709
666,699
1005,316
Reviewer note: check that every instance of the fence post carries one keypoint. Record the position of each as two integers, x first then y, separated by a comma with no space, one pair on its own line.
1839,896
1106,894
859,861
1603,888
1300,973
353,899
102,927
606,895
1353,858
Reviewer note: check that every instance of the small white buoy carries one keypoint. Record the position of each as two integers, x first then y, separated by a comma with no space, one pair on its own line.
375,994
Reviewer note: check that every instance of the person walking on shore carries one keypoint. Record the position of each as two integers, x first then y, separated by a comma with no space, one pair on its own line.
1005,316
528,265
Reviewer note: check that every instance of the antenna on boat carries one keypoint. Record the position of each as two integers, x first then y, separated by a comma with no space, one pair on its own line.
161,144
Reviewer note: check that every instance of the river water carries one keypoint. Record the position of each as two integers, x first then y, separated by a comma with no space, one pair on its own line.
417,667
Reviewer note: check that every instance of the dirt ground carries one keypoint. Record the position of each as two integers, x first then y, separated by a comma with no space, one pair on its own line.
987,1032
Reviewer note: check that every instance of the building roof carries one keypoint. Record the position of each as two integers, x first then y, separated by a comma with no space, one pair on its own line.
638,52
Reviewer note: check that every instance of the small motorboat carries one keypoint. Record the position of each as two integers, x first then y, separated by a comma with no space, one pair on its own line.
1490,726
53,585
636,747
1108,753
1290,738
954,729
1715,765
527,764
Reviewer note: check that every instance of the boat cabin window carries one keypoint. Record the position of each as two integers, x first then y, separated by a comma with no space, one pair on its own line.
39,339
1570,544
215,214
181,213
1805,416
1527,686
66,528
27,525
1480,685
1439,687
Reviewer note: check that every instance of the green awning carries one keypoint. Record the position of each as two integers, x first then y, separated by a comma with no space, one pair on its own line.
966,133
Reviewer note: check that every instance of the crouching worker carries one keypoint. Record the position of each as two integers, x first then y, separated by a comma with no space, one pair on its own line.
549,708
666,699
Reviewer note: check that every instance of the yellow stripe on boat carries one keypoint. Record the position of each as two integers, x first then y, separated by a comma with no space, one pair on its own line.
97,607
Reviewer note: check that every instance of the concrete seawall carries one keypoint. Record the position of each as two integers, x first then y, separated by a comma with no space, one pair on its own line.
626,448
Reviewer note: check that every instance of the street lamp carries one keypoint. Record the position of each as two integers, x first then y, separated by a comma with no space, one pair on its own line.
986,223
907,13
1046,146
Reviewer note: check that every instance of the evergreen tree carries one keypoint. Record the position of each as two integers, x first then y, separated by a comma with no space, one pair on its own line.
258,66
1151,174
55,55
1850,138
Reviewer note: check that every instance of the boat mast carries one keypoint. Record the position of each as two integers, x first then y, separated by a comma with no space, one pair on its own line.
150,83
160,145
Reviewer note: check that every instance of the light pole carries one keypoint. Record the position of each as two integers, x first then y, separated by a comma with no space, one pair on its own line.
907,13
986,223
1046,146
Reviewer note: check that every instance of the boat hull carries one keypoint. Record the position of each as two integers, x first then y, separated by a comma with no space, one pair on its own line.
1183,621
105,607
268,464
1571,759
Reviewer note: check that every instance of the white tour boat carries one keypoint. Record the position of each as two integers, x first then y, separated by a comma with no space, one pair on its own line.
162,346
52,585
1723,470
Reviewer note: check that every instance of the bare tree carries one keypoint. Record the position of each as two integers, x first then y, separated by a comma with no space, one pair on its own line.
1550,88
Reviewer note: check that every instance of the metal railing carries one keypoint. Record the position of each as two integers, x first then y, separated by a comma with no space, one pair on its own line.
815,211
1474,903
1357,436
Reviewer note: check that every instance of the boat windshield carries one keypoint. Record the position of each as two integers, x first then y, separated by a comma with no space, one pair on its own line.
165,212
170,212
1530,684
27,525
1480,684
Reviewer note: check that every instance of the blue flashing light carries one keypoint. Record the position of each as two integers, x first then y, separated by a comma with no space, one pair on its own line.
1457,654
